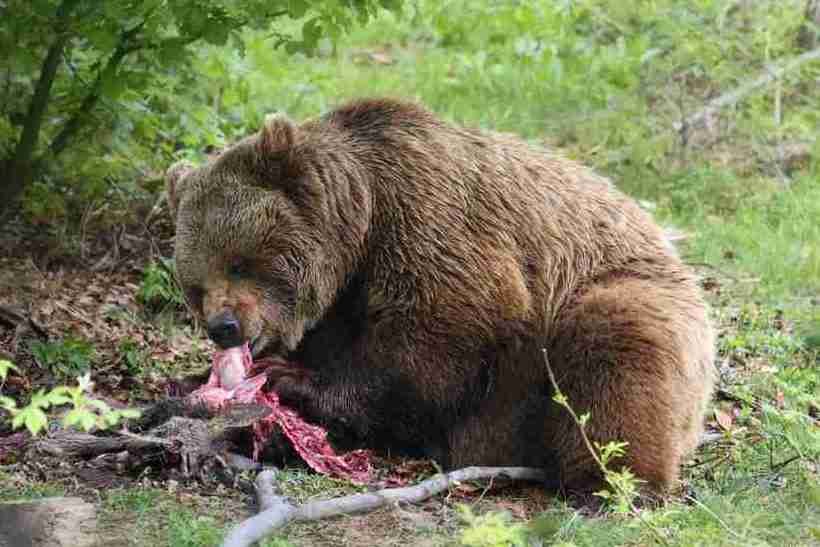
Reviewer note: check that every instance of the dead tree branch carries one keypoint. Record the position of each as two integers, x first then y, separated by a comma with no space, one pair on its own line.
766,77
276,511
74,444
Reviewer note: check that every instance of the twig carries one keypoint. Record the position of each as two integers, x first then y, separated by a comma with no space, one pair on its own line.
584,437
714,516
720,458
276,511
776,468
594,453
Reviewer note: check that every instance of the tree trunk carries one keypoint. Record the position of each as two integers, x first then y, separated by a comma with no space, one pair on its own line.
17,170
73,125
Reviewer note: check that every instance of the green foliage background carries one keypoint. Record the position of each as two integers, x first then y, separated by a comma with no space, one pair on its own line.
127,90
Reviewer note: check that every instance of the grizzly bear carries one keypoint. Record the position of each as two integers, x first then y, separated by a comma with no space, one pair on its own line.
417,272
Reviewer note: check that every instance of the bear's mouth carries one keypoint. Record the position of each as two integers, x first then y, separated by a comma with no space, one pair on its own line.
264,346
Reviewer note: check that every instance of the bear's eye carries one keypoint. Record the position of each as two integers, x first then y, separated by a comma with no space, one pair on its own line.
239,267
194,296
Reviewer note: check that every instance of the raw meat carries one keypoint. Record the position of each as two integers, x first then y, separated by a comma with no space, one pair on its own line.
231,382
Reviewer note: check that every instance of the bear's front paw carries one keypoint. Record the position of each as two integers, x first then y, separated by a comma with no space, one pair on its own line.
296,392
276,372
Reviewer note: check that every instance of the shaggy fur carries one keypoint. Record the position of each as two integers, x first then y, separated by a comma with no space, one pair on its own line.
416,269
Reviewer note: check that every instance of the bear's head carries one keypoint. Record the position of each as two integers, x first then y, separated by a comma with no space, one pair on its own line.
267,234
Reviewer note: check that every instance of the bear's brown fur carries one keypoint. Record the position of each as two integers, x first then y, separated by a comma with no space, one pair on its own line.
416,270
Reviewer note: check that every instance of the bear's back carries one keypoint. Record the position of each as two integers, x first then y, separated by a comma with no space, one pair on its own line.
513,229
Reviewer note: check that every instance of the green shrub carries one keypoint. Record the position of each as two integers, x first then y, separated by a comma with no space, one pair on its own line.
68,357
159,290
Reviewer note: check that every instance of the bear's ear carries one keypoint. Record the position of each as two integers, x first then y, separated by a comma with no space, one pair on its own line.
175,184
277,136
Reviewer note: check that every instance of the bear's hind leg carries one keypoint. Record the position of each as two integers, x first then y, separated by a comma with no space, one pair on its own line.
637,355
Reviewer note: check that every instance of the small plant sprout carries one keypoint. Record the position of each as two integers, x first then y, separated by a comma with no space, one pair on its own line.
86,412
624,485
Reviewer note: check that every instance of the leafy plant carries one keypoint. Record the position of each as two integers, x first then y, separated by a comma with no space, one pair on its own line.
89,77
86,412
493,529
187,529
68,357
623,484
159,289
136,359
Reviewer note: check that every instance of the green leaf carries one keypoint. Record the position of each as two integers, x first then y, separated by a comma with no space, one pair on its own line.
81,417
297,8
311,32
111,84
216,31
172,51
32,417
8,403
41,399
5,367
102,37
99,405
57,399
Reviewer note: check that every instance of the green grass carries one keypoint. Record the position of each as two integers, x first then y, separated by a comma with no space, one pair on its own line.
185,529
300,485
13,488
151,516
769,235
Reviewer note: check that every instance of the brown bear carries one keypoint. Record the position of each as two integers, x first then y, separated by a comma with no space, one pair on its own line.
415,270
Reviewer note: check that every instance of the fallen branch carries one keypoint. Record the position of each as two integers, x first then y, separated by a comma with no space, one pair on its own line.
276,511
199,442
14,319
70,444
767,76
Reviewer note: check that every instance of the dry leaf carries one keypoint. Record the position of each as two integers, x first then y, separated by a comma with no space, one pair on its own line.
381,58
724,419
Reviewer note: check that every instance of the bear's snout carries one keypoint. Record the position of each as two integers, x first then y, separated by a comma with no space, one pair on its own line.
224,330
